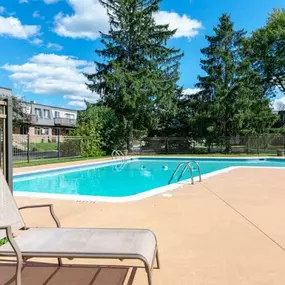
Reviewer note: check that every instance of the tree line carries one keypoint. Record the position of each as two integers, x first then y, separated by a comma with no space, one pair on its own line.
137,79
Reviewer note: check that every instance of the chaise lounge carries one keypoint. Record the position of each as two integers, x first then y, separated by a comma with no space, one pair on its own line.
112,243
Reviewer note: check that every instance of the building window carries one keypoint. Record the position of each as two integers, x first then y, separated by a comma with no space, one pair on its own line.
46,114
41,131
23,130
37,131
56,114
69,116
38,112
56,131
45,131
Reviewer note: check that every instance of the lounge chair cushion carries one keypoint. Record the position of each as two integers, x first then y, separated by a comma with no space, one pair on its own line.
82,242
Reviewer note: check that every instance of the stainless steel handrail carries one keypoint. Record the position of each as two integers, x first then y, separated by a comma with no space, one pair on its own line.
118,154
176,170
187,165
198,168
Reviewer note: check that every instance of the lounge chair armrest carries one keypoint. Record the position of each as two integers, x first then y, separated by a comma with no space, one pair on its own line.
12,241
50,206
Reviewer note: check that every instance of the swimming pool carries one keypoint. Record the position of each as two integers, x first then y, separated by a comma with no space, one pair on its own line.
134,178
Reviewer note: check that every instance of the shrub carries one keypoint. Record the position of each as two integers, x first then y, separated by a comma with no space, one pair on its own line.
100,129
70,147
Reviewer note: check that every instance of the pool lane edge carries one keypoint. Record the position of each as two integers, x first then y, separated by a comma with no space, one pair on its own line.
136,197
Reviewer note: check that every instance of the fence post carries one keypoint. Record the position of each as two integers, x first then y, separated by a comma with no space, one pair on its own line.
9,143
284,143
58,145
28,148
166,145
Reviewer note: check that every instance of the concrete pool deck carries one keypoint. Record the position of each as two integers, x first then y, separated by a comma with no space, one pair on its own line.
227,230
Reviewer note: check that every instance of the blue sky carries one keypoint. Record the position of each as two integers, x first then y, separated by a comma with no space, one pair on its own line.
46,44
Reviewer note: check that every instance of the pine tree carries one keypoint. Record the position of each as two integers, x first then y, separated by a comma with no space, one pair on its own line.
231,93
268,52
138,74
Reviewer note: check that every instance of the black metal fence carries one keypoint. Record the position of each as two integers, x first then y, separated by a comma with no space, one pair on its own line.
27,148
263,144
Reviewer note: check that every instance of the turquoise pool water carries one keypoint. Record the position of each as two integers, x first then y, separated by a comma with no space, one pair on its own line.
120,180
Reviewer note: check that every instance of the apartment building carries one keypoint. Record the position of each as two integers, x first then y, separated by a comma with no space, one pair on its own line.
49,120
46,120
5,92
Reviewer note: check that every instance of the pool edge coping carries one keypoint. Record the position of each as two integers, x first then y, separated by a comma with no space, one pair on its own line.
131,198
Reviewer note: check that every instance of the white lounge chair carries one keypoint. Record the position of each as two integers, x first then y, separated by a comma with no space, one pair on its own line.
139,244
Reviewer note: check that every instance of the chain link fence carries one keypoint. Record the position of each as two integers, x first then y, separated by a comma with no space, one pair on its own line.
263,144
28,148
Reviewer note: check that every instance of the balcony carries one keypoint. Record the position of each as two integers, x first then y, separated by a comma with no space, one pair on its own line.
38,121
66,122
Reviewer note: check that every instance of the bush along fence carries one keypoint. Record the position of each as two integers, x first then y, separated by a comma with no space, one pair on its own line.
27,148
262,144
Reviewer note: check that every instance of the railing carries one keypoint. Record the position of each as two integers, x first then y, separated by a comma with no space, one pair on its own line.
67,122
118,154
64,121
187,165
248,144
120,166
190,165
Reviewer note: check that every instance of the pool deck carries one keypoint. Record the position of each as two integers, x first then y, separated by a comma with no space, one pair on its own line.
227,230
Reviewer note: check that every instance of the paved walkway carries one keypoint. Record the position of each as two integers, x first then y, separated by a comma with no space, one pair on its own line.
227,230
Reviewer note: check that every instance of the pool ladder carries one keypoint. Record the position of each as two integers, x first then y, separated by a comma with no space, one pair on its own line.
118,154
187,165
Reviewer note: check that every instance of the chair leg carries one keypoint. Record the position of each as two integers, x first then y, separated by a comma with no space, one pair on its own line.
59,261
19,271
157,260
148,272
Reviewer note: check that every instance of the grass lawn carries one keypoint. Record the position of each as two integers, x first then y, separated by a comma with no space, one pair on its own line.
43,146
52,161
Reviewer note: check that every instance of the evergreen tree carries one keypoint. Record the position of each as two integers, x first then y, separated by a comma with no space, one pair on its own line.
231,96
139,72
267,52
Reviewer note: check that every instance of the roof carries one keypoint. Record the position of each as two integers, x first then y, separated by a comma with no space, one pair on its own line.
50,106
5,88
67,109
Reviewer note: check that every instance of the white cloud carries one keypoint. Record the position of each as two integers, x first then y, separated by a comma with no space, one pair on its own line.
23,1
52,74
279,104
2,9
186,27
79,104
54,46
50,1
191,91
88,19
36,14
36,42
13,27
